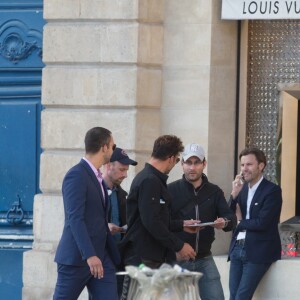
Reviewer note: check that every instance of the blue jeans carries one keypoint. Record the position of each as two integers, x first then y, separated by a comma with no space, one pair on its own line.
244,276
210,287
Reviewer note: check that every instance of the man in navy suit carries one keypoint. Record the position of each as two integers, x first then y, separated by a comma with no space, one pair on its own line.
256,243
86,255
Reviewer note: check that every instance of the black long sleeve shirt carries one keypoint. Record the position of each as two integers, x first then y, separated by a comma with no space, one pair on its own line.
149,224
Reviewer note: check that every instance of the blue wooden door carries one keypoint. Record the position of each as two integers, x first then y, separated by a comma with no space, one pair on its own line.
21,27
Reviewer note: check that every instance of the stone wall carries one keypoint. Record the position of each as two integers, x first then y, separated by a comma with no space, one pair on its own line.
141,69
103,68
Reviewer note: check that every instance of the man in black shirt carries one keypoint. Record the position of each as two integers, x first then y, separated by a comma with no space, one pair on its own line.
194,197
149,238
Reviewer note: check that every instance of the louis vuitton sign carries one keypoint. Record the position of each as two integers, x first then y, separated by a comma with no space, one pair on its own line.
260,9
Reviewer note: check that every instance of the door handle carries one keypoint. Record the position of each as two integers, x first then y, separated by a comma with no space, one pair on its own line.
15,214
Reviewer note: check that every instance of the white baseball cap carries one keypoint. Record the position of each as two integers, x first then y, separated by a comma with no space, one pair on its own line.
193,150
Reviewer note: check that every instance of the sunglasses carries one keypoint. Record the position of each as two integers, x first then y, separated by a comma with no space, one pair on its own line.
177,159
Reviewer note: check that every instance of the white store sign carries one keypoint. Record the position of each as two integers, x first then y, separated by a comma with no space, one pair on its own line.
260,9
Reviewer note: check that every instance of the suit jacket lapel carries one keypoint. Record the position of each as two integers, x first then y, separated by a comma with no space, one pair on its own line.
106,206
243,201
95,181
257,194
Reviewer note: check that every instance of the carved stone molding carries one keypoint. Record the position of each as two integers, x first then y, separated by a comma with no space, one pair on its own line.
18,42
14,48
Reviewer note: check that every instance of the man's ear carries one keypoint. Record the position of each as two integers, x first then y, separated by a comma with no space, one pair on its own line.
104,148
261,166
204,164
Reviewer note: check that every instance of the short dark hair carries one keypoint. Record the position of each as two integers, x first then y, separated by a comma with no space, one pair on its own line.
96,138
166,146
259,154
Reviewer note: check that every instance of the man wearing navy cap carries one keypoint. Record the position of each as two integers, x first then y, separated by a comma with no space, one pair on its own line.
114,173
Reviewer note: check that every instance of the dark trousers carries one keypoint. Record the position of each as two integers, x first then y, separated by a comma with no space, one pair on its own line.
71,280
120,282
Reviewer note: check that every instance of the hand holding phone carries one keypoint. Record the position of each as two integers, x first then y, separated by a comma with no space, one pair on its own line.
242,179
237,185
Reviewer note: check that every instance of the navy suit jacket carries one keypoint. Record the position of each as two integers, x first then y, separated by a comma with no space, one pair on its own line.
86,231
262,243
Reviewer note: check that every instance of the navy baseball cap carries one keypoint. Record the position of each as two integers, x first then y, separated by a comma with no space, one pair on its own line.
122,157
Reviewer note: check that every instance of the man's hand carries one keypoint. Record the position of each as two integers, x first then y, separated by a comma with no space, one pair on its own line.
113,228
186,253
189,229
190,222
219,223
237,185
96,267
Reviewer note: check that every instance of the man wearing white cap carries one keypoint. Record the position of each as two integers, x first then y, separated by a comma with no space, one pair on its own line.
194,197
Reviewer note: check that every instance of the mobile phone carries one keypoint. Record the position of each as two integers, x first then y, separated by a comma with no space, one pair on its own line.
242,179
